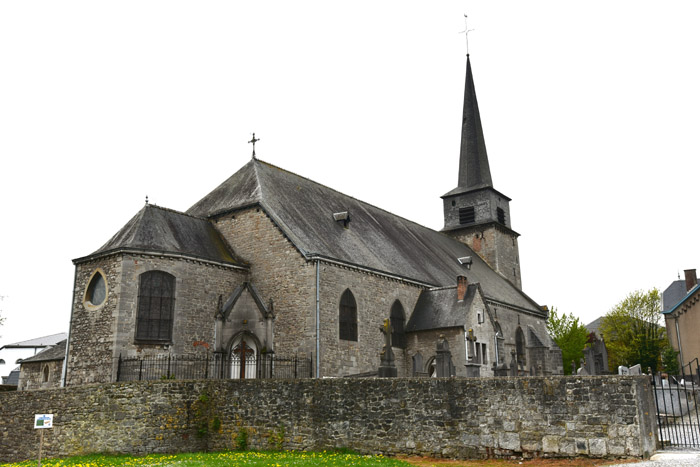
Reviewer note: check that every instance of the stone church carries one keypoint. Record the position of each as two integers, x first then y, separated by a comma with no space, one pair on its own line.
272,263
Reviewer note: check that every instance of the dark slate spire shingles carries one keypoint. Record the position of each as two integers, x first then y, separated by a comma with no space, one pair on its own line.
474,171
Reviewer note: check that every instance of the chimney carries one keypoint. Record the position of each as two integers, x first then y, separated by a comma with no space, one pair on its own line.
462,283
691,279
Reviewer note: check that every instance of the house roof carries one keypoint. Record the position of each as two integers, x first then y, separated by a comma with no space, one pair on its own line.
374,238
594,326
687,297
37,342
53,353
159,230
673,294
12,379
440,309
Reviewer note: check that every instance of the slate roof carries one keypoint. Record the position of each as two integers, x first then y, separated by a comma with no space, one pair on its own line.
440,309
12,379
374,239
594,327
53,353
685,298
673,294
38,342
159,230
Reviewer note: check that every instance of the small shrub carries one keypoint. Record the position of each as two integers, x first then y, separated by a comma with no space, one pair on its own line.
242,439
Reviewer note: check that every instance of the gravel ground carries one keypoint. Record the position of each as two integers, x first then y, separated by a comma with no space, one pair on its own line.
670,459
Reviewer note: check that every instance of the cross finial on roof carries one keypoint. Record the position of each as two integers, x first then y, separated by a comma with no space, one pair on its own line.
466,32
254,140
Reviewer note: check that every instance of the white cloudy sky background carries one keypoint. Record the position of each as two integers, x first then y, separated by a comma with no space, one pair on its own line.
590,113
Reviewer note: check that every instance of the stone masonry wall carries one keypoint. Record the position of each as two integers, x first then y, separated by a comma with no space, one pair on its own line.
99,335
32,375
198,286
608,416
279,272
91,340
374,296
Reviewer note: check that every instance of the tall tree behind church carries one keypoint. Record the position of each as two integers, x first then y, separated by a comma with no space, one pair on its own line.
633,333
570,335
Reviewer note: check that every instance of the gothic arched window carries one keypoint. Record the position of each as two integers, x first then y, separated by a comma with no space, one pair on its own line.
398,319
347,317
154,321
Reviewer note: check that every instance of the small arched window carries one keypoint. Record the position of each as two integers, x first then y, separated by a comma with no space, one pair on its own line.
347,317
398,320
45,376
156,302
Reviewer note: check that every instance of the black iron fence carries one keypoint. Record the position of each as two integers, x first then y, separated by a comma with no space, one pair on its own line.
216,366
677,410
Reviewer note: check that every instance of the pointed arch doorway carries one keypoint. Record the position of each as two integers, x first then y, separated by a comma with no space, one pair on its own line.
244,357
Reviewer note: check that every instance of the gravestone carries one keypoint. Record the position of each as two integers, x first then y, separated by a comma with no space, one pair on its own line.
387,367
443,360
473,368
623,370
513,363
418,365
635,370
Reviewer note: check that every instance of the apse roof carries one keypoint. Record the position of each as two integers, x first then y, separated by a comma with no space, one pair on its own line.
373,238
159,230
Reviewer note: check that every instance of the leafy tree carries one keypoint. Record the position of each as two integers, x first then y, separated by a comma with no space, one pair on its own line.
633,333
669,360
570,335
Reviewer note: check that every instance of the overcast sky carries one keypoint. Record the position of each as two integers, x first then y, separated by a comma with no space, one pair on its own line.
590,113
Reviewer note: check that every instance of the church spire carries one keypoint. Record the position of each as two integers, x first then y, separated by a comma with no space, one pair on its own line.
474,169
475,213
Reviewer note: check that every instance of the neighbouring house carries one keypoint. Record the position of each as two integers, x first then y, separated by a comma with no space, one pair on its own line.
681,312
271,265
13,354
44,370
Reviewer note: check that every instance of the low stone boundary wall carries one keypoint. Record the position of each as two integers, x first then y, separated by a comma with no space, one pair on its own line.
600,416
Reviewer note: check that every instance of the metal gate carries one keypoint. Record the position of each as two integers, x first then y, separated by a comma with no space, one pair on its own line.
677,408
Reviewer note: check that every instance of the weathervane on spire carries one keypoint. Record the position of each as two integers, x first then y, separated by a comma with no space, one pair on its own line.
466,32
254,140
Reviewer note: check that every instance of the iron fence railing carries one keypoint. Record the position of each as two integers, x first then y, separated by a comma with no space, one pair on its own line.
214,366
677,411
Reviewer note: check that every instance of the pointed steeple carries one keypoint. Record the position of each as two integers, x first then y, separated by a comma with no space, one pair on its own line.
474,169
475,212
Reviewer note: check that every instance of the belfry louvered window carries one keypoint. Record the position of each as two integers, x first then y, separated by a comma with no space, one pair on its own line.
347,317
467,215
156,302
501,215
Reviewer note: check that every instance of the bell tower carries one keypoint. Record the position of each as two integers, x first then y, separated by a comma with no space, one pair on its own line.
475,213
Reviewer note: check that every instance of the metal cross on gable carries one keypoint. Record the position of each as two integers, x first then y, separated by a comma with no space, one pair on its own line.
254,140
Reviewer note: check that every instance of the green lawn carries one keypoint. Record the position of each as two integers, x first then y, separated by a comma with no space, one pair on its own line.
229,459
